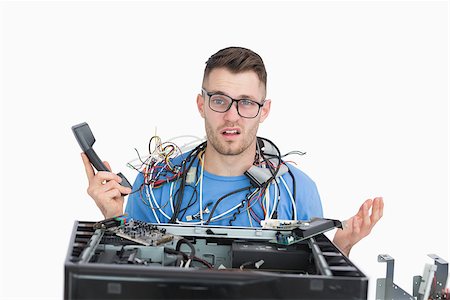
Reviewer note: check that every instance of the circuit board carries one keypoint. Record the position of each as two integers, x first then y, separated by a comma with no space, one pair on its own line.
143,233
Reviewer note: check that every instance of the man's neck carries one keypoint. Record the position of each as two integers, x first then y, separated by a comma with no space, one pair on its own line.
228,165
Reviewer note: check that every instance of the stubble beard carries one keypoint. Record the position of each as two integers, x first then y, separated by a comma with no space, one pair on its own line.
225,148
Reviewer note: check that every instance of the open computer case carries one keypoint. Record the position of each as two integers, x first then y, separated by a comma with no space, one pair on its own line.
137,260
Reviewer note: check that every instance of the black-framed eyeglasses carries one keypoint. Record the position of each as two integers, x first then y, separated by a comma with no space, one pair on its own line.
221,103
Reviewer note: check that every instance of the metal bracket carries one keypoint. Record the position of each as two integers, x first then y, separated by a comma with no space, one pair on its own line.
430,285
386,288
441,273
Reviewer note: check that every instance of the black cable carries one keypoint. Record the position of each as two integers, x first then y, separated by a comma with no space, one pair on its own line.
195,258
278,189
172,251
267,160
223,197
185,257
139,156
280,161
185,241
150,144
255,215
189,204
150,203
178,254
183,181
273,172
247,199
162,173
237,212
180,190
275,208
180,193
193,154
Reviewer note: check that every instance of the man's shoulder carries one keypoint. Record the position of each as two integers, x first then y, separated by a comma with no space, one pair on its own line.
298,174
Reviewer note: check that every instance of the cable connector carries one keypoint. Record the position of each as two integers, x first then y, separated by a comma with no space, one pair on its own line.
197,215
260,176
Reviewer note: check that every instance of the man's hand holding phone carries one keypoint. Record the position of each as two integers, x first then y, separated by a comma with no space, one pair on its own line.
104,187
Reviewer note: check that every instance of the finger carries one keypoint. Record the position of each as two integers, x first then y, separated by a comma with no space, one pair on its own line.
111,185
107,186
381,207
362,208
377,210
107,165
103,176
88,167
114,193
366,216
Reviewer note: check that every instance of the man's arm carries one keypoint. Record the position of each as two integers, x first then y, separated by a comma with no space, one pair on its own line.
360,225
105,189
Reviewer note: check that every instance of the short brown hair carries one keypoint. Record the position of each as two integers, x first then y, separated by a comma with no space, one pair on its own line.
236,60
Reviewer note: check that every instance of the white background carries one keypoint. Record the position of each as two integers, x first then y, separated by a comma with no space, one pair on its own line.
362,87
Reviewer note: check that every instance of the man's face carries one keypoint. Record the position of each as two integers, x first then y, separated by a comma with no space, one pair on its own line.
229,133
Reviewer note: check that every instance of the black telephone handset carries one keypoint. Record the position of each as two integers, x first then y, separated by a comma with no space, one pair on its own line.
86,140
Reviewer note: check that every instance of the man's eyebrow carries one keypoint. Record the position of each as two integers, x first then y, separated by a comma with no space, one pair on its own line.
246,97
239,97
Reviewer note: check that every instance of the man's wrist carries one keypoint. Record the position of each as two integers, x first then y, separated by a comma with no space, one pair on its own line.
343,244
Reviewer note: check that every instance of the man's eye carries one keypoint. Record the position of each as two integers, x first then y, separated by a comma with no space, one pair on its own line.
246,102
218,101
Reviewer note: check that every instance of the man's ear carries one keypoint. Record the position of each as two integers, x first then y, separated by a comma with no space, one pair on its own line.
265,110
201,105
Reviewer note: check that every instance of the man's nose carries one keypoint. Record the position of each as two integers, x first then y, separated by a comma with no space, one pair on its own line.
232,114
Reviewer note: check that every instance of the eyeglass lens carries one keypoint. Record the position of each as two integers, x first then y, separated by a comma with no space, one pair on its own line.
222,103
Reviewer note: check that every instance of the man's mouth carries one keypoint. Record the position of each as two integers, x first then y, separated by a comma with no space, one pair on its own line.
231,131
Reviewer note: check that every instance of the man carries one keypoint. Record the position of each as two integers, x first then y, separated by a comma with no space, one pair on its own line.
233,103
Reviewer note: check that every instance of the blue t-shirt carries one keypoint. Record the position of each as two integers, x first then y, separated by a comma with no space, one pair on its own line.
243,208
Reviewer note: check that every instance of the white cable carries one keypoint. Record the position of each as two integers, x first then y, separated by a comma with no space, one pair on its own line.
292,199
226,212
184,148
213,218
236,206
248,208
267,196
160,171
152,199
201,190
197,140
188,263
151,204
249,218
170,196
187,223
143,160
157,205
155,157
